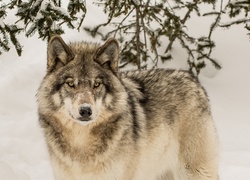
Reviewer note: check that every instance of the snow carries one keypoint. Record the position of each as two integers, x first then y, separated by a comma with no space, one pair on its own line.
23,153
229,94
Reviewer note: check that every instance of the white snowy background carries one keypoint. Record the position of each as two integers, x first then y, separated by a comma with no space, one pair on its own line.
23,154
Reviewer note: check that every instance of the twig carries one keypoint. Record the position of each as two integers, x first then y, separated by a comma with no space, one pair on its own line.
177,31
137,34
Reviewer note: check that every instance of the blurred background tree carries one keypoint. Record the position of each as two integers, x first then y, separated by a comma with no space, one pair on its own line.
146,29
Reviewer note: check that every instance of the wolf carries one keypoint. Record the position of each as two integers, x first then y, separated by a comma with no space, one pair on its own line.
103,124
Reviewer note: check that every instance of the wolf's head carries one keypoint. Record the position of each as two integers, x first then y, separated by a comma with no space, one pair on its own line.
81,81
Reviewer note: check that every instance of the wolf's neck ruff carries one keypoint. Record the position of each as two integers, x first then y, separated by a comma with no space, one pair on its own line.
101,124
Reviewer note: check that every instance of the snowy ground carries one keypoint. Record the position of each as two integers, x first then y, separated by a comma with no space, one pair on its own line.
23,154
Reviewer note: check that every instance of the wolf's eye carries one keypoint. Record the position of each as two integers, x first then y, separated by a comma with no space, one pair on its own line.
71,84
97,84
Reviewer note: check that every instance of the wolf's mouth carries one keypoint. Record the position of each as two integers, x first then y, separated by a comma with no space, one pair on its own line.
84,119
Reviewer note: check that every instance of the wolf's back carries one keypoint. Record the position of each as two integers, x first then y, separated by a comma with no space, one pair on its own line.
169,93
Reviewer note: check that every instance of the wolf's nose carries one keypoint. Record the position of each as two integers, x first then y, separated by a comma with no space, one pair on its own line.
85,111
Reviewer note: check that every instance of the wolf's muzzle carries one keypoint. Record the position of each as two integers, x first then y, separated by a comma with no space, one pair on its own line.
85,112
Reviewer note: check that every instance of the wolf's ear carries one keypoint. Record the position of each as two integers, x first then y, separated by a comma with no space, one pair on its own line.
108,55
58,53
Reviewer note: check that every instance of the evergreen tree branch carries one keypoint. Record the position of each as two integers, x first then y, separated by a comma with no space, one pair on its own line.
137,33
214,25
178,30
239,21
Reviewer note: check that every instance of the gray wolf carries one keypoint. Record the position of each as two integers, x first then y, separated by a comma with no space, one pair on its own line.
102,124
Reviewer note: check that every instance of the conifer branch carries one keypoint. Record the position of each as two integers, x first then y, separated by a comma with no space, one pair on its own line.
178,31
140,30
239,21
137,34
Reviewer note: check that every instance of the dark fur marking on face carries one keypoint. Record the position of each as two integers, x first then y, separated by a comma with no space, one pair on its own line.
106,83
108,87
56,88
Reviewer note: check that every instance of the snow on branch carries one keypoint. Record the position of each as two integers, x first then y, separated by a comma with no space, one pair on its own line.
239,21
